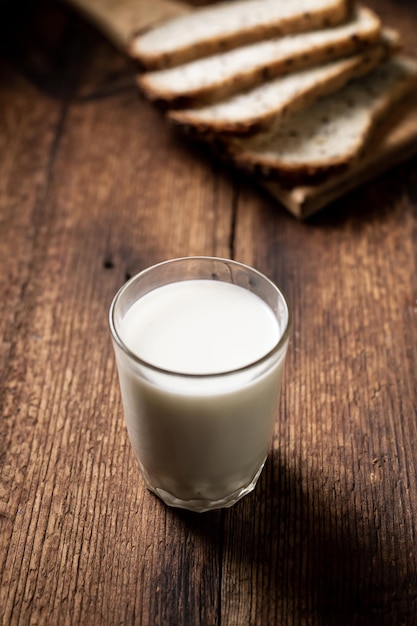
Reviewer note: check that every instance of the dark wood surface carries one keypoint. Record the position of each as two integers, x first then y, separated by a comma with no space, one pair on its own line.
93,188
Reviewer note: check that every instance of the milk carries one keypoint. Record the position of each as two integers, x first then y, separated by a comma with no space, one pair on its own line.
200,376
200,327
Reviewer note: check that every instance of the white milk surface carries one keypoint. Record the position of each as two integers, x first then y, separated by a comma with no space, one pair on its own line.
200,327
200,440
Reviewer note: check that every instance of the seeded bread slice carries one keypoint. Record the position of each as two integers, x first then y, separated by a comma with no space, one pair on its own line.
225,74
226,25
331,133
257,108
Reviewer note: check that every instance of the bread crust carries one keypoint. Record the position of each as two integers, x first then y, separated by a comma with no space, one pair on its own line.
270,162
259,108
155,49
223,75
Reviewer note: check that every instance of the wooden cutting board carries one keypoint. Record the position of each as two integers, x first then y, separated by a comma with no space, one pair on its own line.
396,141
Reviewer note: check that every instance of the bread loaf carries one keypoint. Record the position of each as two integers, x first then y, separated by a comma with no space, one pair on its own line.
226,25
331,133
257,108
221,75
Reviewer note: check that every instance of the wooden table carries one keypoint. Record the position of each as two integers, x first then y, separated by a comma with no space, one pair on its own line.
94,187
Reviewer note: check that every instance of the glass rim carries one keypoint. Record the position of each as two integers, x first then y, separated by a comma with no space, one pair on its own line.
211,375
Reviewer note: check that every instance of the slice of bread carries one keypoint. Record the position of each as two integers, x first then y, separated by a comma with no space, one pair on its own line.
226,25
257,108
221,75
330,134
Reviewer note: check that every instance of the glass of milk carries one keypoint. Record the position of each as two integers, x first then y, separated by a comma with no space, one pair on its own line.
200,345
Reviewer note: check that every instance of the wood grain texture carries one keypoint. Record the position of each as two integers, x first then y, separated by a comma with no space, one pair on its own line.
93,188
328,545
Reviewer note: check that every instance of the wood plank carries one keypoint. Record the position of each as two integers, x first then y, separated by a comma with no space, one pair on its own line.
30,127
325,540
83,541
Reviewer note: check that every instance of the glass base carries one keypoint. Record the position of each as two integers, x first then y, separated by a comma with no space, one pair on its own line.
202,505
